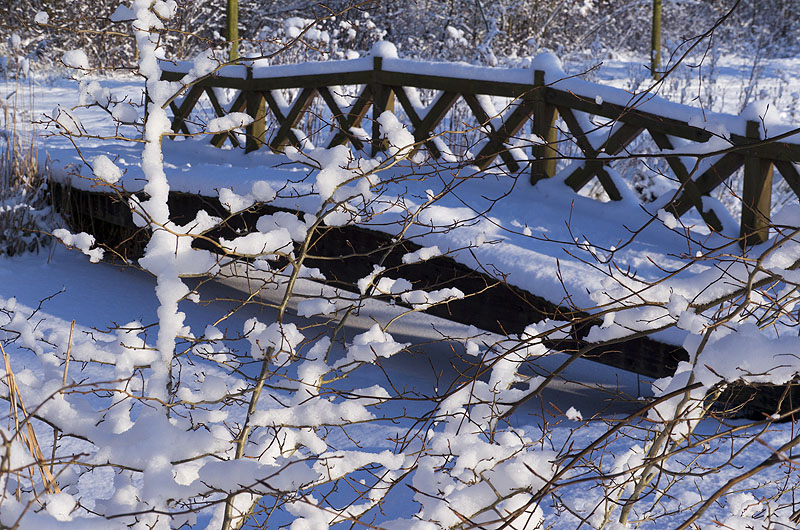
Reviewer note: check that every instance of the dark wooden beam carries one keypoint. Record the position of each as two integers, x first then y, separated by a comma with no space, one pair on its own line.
486,121
354,116
688,186
239,105
545,154
295,114
181,114
756,194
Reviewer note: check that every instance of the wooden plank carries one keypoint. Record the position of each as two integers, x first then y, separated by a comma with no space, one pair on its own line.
486,121
339,116
182,112
283,82
719,172
621,138
772,150
577,132
687,184
299,106
436,113
624,114
405,102
255,132
451,84
382,100
608,184
789,174
448,84
212,97
175,112
509,129
238,105
593,166
756,195
710,179
613,144
545,156
272,103
478,111
354,116
416,123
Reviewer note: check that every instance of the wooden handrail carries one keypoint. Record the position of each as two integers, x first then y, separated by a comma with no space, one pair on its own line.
384,80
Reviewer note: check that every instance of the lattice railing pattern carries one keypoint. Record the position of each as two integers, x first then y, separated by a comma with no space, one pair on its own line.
602,130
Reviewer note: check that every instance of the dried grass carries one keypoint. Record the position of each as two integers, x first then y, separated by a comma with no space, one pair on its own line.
24,429
25,213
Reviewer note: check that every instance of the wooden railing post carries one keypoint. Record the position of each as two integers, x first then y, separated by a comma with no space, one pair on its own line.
256,106
545,155
382,100
756,194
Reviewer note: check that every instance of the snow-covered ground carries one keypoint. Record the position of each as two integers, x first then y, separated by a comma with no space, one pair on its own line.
101,296
540,238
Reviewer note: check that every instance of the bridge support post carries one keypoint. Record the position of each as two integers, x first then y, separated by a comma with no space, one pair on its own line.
545,155
256,106
756,194
382,100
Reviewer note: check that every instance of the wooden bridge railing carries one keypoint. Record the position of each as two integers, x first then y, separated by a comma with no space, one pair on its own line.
538,97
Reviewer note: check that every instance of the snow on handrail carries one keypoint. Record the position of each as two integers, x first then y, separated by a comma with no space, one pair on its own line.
722,124
539,94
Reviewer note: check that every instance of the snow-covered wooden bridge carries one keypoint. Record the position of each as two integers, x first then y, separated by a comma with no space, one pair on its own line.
702,149
534,122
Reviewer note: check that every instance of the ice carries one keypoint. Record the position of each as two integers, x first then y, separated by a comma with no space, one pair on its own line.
41,17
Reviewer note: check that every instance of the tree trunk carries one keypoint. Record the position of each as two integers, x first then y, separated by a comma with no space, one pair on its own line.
232,28
655,41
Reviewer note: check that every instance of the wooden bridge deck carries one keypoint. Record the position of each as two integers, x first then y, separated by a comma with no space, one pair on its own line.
490,304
